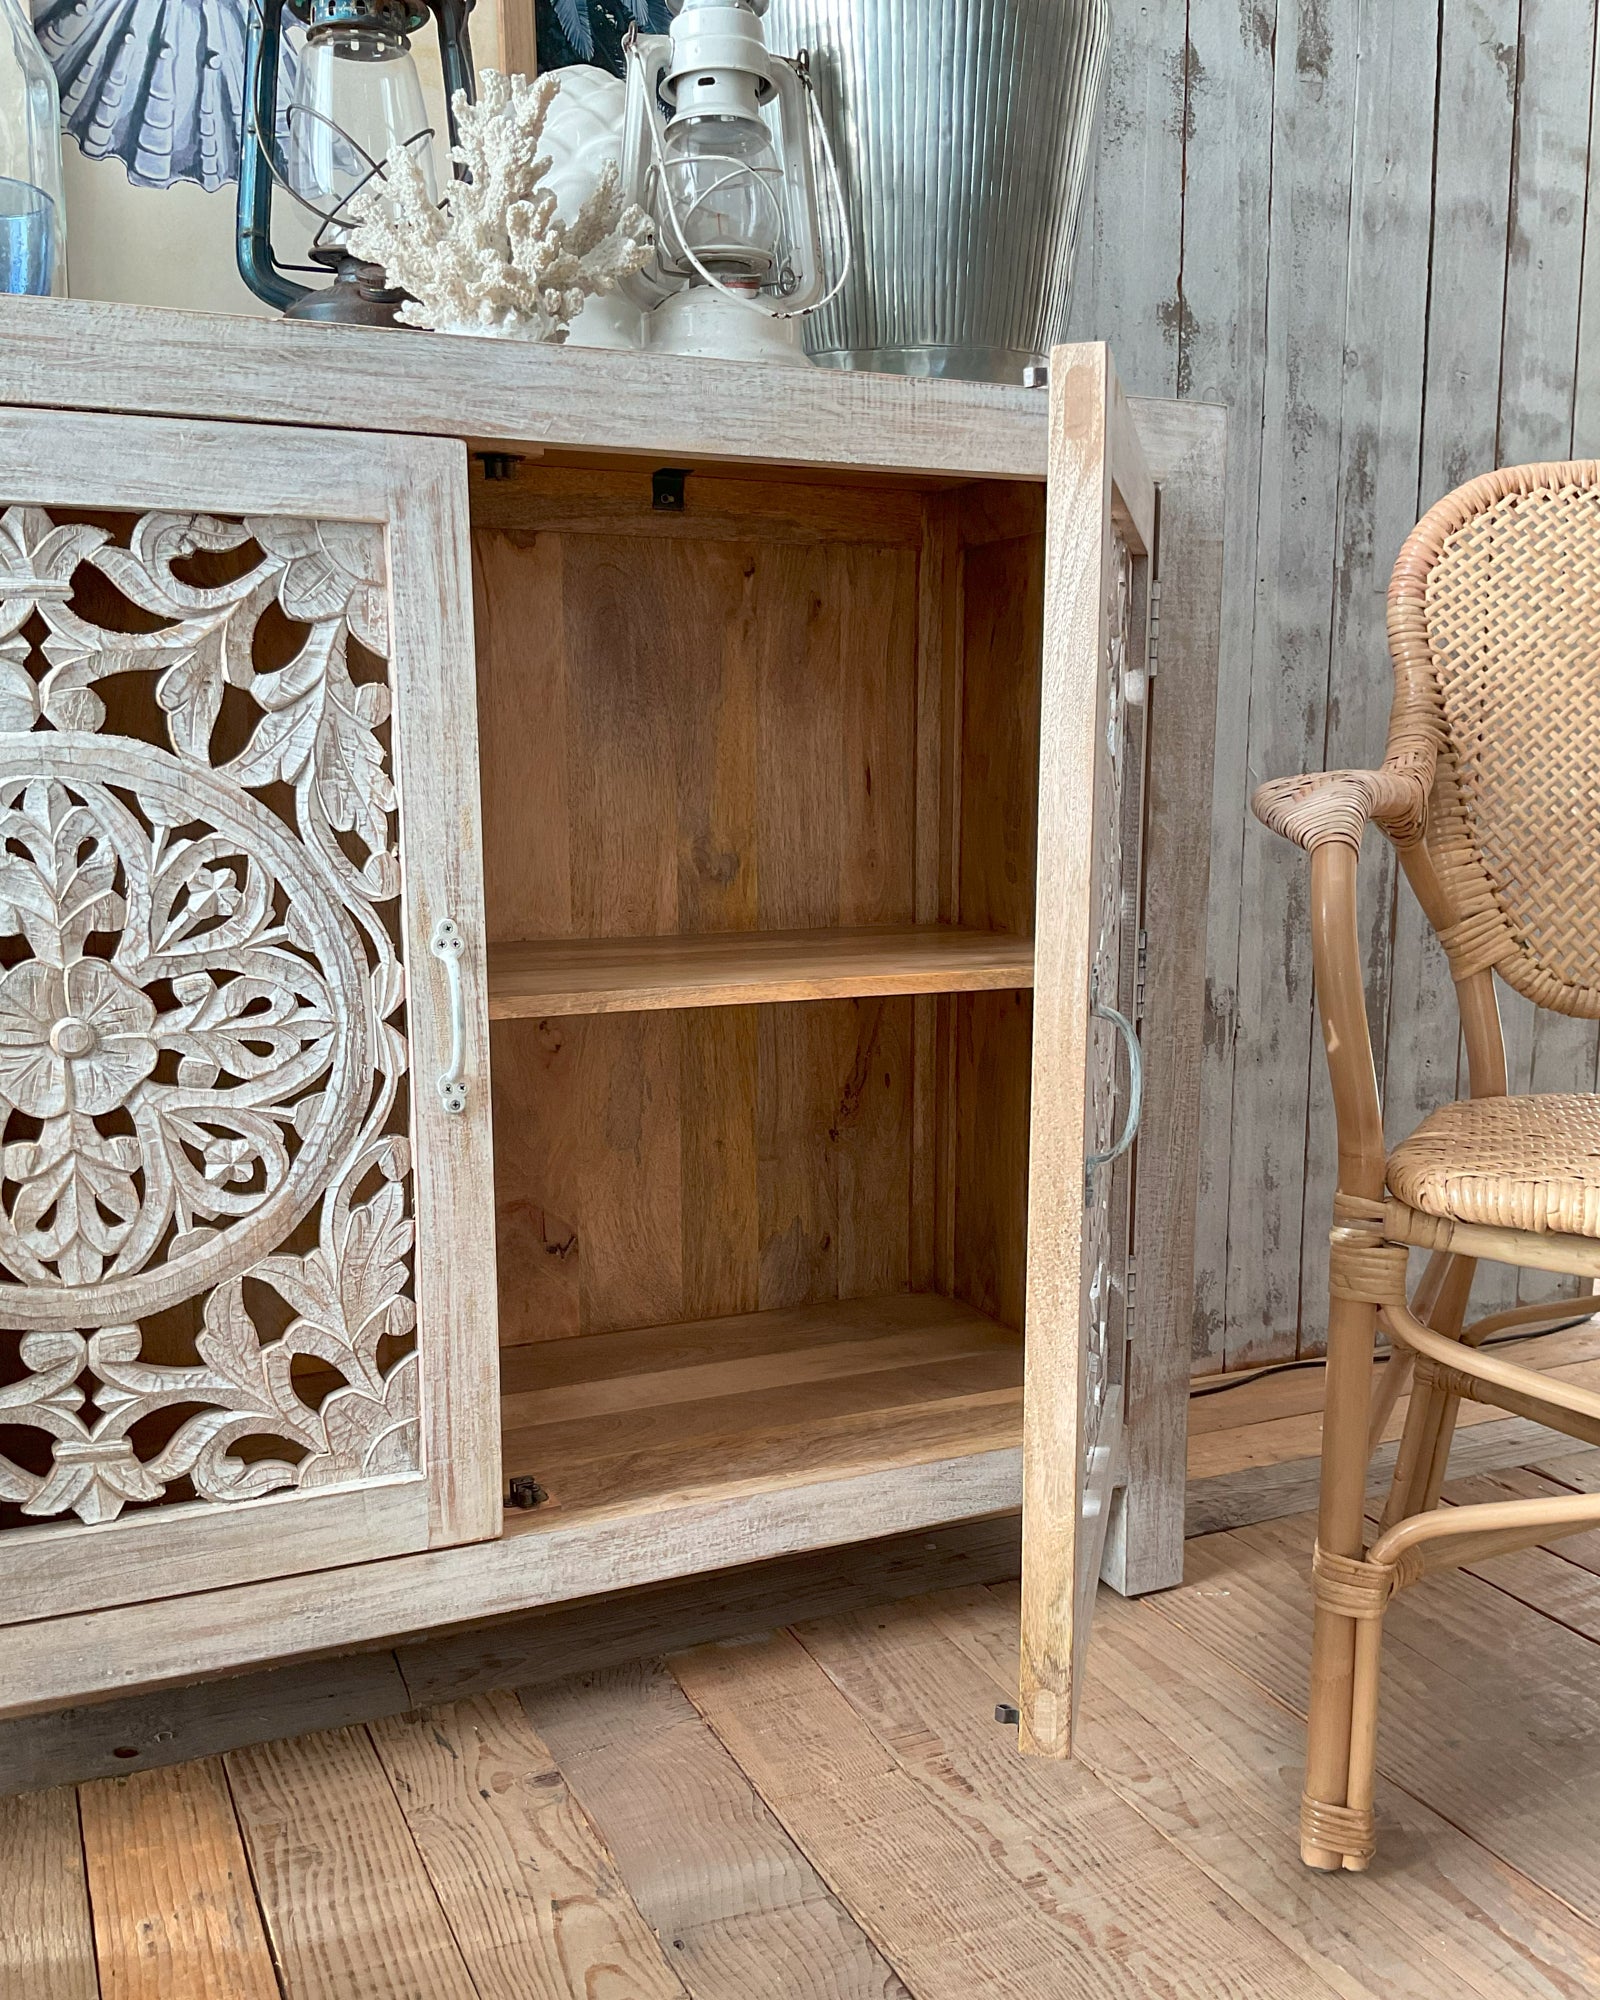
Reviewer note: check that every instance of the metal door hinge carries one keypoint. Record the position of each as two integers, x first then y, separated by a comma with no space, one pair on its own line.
1140,971
1153,645
666,489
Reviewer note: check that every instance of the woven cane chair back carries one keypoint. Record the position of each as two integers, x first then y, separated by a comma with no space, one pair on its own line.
1494,623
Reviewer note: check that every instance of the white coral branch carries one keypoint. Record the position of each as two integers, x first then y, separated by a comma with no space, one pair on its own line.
496,256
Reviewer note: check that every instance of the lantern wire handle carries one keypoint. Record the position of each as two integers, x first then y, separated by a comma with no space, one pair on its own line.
337,219
836,187
658,157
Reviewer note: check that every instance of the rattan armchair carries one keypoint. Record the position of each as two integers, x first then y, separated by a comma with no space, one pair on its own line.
1489,792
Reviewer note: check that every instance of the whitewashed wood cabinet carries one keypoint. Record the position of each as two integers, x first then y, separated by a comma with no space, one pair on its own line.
1088,1055
249,1300
819,855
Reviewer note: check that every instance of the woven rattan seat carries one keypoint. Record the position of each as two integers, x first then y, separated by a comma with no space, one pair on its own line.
1519,1162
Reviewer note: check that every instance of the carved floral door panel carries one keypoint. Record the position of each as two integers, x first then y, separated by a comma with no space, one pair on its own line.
246,1288
1087,1064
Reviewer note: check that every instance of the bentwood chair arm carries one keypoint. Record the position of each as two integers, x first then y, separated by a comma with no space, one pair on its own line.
1336,805
1326,813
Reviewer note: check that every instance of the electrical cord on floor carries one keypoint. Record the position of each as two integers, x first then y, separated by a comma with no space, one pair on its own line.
1239,1381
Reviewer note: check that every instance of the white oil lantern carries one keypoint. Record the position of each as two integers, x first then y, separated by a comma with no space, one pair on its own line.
726,174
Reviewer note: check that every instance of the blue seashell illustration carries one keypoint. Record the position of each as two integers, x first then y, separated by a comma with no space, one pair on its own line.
159,84
156,84
591,31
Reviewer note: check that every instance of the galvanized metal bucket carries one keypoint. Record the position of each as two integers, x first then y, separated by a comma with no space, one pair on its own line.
963,130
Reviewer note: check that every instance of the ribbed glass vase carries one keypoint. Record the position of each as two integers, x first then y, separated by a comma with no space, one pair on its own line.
963,130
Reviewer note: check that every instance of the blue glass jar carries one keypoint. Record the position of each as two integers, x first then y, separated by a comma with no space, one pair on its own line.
33,228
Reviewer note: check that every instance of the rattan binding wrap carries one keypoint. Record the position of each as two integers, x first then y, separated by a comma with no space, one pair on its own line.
1356,1587
1349,1830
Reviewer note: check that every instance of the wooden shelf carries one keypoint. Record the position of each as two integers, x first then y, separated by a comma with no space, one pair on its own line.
722,1408
744,968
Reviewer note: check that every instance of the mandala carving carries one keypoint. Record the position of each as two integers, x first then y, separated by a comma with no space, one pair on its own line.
201,1059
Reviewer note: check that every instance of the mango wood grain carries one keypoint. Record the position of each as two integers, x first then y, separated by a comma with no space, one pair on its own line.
552,495
46,1941
532,1896
890,1778
551,1381
716,1420
941,666
441,857
55,1569
633,975
517,47
343,1889
986,1040
692,735
1063,1533
737,1906
174,1910
701,733
907,1419
858,1480
84,354
670,1166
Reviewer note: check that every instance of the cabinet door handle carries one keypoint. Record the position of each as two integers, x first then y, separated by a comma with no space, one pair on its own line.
1130,1123
449,947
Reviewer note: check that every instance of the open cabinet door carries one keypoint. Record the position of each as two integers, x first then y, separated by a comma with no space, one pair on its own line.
1087,1069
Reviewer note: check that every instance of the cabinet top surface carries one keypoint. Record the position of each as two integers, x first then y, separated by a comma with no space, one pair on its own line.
87,354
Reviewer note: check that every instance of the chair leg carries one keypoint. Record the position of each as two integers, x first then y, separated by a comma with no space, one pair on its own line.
1393,1379
1444,1435
1364,1731
1340,1525
1431,1413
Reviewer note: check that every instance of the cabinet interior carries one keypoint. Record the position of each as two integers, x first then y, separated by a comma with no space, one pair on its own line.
759,787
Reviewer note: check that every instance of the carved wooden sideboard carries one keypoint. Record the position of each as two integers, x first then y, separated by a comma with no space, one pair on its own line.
793,786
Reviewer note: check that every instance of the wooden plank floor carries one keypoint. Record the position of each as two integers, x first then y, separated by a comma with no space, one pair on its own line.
1253,1446
828,1809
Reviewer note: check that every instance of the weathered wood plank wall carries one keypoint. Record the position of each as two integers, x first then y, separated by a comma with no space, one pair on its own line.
1363,226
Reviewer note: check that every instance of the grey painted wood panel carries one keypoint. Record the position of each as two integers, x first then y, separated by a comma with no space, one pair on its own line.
1309,254
1380,448
1221,358
1383,265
